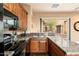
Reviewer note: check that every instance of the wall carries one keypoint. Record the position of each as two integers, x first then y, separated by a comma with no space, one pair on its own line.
36,23
73,15
74,34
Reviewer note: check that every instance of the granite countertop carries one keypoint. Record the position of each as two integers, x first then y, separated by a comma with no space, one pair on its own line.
72,49
39,38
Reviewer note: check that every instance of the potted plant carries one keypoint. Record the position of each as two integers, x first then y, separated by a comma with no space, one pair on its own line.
51,24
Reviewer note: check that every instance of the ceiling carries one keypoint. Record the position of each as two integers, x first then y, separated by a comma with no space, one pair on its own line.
51,7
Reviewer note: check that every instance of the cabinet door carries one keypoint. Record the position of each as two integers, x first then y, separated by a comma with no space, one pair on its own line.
55,50
43,46
34,46
7,6
14,8
10,7
20,16
51,48
24,20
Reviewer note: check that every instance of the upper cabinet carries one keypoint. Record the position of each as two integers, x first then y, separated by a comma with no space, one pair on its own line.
18,10
7,6
14,8
10,7
24,20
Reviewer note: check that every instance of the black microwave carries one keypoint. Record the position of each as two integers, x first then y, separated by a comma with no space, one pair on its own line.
10,20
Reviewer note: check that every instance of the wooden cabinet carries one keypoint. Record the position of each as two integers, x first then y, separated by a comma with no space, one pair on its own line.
18,10
7,6
24,20
20,16
55,50
43,46
34,46
11,7
38,46
15,8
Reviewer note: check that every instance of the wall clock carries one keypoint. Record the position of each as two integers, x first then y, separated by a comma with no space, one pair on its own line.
76,26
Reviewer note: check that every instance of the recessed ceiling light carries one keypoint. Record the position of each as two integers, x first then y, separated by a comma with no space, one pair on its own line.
55,5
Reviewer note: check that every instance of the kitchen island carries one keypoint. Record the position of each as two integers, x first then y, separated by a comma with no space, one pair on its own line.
44,45
37,46
72,50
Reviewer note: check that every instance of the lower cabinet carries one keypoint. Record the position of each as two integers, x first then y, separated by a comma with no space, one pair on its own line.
34,46
38,46
54,50
43,46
